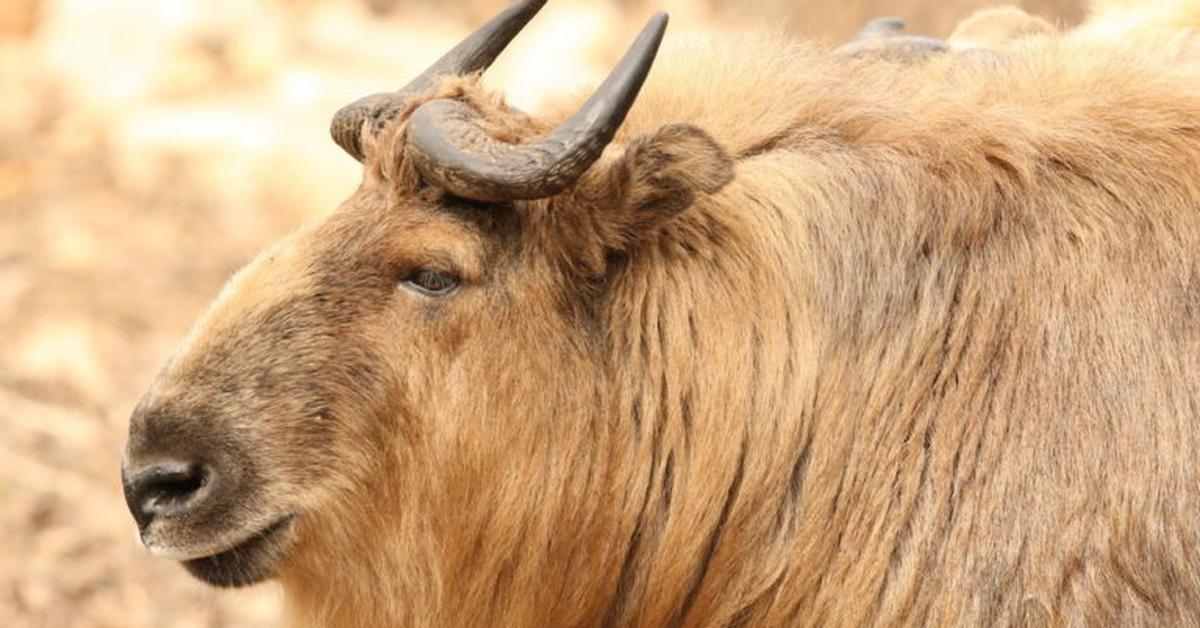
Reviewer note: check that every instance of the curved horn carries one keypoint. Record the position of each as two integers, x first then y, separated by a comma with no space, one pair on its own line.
473,54
450,147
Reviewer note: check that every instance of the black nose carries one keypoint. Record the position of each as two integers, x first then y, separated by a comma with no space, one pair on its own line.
167,488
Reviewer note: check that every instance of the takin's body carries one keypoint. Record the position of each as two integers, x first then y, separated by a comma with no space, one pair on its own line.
930,359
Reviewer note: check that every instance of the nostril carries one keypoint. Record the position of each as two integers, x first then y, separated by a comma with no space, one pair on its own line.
172,491
166,489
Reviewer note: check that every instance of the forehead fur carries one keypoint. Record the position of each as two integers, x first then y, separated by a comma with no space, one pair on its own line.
387,152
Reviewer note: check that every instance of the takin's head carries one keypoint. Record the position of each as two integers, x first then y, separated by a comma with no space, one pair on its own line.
421,332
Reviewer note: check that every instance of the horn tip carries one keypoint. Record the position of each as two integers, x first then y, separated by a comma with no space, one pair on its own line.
656,27
526,6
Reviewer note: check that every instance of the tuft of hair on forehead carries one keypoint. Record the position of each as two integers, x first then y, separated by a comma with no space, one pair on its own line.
388,151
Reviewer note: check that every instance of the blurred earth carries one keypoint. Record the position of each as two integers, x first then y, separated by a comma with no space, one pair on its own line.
148,148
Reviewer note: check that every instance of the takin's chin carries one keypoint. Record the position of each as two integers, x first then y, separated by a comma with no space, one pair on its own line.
783,337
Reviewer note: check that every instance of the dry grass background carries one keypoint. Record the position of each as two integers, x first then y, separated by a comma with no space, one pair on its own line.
150,147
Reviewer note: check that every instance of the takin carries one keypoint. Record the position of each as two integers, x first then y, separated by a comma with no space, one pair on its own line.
768,336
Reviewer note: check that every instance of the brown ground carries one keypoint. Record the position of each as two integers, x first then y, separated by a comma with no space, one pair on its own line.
150,147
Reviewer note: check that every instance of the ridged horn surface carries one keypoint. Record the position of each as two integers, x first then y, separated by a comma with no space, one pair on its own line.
474,54
451,148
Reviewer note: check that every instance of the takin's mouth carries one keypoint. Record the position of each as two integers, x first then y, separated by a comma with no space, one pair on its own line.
249,562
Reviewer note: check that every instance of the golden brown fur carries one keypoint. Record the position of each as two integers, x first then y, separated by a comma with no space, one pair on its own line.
996,27
931,358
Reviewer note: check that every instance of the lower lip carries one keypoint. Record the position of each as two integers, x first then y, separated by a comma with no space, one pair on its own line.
249,562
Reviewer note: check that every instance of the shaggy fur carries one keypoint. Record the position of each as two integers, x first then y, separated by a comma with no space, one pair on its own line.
818,343
994,28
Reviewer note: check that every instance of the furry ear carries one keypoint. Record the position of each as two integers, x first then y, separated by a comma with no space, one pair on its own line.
664,172
621,205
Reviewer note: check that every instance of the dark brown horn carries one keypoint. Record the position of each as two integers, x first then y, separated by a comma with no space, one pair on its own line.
880,27
884,38
450,147
475,53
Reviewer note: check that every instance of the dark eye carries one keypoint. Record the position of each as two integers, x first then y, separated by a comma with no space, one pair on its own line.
431,283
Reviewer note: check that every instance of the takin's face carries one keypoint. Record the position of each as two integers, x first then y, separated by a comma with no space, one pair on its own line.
355,360
314,360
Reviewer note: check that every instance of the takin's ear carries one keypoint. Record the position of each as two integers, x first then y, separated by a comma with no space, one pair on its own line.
664,172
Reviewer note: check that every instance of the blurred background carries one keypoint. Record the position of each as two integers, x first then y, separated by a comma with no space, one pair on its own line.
148,148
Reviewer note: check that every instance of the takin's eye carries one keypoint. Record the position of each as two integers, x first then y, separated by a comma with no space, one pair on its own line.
430,283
